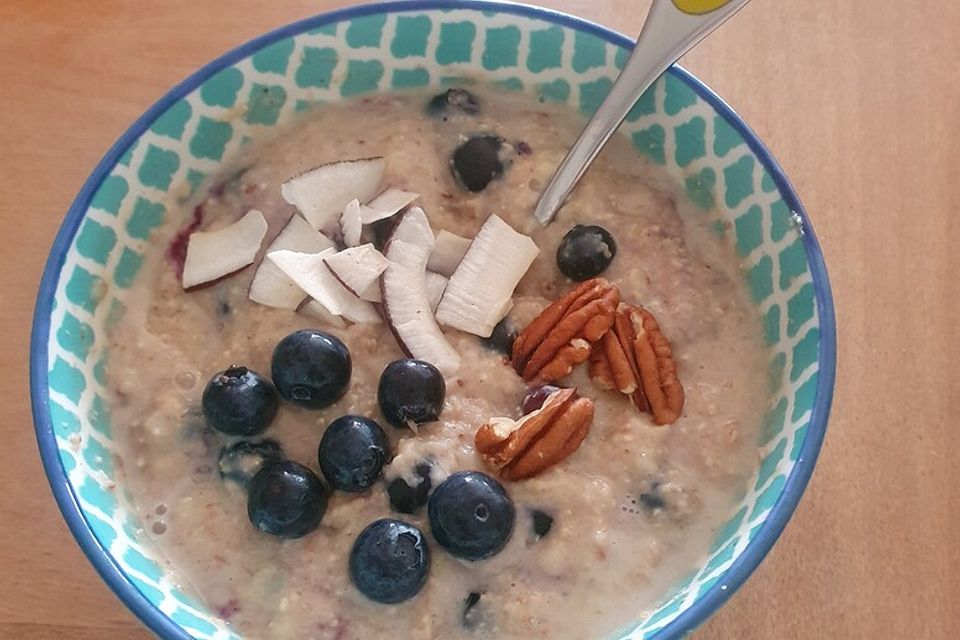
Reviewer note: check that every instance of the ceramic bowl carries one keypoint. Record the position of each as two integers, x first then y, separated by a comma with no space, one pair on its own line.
168,152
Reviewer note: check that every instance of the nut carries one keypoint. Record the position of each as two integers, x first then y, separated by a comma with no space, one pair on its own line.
599,370
636,359
562,336
523,448
658,369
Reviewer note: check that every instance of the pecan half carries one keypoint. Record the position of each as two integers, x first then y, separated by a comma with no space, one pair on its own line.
561,336
658,370
599,370
636,360
523,448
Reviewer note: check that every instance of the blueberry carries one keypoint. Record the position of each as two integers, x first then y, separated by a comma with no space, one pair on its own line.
477,161
471,515
286,499
240,461
239,402
311,368
352,453
411,390
502,338
406,498
586,251
453,101
389,561
541,522
652,499
536,396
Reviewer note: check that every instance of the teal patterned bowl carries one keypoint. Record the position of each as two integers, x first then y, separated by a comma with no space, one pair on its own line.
168,152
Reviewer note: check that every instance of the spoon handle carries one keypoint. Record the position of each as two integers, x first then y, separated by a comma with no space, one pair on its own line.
671,29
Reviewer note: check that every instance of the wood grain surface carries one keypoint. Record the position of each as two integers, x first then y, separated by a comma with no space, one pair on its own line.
860,101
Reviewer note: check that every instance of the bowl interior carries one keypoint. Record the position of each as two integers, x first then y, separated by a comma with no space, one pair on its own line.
169,152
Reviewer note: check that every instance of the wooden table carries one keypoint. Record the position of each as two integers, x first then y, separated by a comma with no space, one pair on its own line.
860,101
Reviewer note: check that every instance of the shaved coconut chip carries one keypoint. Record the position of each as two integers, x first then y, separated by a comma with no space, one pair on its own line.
362,312
212,255
407,308
322,193
366,212
311,274
271,286
357,268
351,223
448,251
479,293
372,294
413,230
299,236
387,204
406,303
317,311
436,284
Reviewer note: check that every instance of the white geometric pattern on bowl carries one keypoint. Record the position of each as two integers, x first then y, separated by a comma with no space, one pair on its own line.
678,124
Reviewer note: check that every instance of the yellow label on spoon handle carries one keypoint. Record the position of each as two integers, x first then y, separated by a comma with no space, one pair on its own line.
699,7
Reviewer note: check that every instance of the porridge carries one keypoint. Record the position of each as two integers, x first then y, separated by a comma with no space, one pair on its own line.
542,458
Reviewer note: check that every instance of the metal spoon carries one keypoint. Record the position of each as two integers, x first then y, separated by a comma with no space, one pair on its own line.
671,29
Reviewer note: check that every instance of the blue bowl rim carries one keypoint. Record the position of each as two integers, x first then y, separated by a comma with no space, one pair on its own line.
159,622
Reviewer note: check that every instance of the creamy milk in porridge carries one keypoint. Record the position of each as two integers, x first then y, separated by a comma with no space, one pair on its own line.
630,512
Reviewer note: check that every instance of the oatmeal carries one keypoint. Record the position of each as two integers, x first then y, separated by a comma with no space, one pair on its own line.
634,472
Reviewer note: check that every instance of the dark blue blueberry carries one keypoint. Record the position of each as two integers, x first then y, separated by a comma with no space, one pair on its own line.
411,390
352,453
478,161
586,251
286,499
240,461
239,402
311,368
502,338
453,101
652,499
390,561
471,515
406,498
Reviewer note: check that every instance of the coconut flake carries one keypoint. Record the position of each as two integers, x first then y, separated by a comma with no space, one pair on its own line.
322,192
448,251
351,223
406,302
372,294
310,273
436,284
357,268
212,255
387,204
480,291
271,286
413,230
